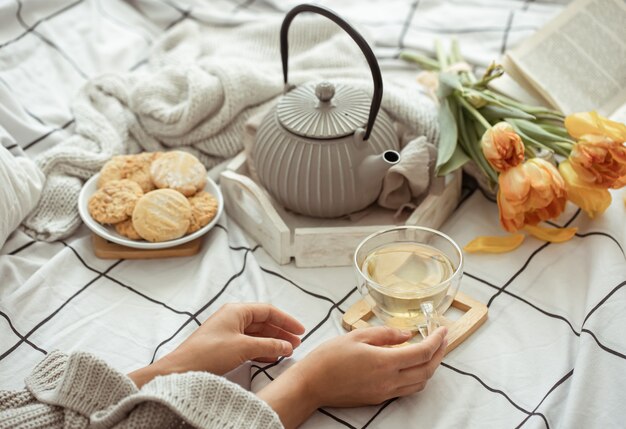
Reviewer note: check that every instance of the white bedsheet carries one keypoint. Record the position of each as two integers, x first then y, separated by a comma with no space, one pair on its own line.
552,354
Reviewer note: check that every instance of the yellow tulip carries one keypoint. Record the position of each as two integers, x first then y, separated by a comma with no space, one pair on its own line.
553,235
580,124
592,200
494,244
502,147
530,193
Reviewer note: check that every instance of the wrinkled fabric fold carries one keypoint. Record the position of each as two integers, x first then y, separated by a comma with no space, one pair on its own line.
21,183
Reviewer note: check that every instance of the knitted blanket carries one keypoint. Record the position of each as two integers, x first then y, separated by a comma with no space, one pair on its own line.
202,84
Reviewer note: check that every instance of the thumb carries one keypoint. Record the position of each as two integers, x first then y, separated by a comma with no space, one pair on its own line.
382,336
268,348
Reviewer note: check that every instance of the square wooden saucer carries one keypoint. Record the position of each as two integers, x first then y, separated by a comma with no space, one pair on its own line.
105,249
475,314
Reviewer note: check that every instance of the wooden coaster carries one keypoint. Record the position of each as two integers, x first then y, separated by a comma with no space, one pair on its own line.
458,330
105,249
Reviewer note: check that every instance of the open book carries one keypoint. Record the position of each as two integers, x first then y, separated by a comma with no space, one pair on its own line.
575,63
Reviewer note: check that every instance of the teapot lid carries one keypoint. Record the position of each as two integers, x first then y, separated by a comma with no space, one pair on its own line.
324,111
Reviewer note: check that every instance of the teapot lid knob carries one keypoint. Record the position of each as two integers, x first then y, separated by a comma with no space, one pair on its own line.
325,91
308,111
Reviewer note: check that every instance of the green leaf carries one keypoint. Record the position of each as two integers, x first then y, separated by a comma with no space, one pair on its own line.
448,82
447,134
457,160
463,139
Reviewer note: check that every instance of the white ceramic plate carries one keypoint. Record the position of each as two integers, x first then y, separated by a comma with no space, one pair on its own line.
108,232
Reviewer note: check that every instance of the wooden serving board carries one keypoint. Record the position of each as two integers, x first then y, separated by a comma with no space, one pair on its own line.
315,242
475,314
105,249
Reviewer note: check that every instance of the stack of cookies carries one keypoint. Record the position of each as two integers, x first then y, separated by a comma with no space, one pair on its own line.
153,196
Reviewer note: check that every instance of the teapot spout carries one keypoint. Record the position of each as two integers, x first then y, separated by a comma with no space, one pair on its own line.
373,168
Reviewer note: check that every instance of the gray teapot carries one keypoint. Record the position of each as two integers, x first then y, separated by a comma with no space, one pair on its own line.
318,152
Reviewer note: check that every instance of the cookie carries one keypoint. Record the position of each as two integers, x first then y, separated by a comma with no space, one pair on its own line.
162,215
203,210
115,201
127,229
131,167
180,171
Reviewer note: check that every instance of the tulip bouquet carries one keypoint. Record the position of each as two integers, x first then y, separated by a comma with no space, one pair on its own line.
516,147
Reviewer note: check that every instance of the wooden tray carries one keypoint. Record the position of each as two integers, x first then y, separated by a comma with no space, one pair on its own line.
105,249
475,315
315,242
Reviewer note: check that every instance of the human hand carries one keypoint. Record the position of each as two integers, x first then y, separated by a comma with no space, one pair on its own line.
231,336
353,370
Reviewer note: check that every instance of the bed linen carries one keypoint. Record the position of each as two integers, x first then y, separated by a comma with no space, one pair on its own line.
552,353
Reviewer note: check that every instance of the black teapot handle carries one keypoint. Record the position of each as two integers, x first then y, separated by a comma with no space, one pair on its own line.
365,48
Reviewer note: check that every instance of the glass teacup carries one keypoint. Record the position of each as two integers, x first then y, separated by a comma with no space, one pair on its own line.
409,275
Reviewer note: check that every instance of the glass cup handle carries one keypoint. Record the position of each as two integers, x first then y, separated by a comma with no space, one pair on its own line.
431,319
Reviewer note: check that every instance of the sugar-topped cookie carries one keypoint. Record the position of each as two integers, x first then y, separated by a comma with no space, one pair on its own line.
180,171
115,201
203,210
131,167
161,215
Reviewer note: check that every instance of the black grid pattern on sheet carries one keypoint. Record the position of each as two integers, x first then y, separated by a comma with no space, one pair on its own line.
182,12
23,338
48,42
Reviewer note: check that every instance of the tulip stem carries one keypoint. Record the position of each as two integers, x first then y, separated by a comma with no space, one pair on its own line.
466,76
555,147
528,140
529,109
441,56
419,59
555,129
475,113
530,151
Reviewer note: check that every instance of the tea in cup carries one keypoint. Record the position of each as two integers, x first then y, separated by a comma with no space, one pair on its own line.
409,275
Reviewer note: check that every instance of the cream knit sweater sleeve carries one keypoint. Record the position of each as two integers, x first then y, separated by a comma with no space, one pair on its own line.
80,391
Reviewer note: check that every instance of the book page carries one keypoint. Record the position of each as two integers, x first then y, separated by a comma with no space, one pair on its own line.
513,84
578,62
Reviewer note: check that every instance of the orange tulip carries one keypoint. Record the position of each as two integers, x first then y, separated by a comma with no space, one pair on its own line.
599,161
592,200
502,147
599,157
530,193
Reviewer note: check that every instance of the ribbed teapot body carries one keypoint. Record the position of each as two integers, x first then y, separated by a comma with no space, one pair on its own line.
319,177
